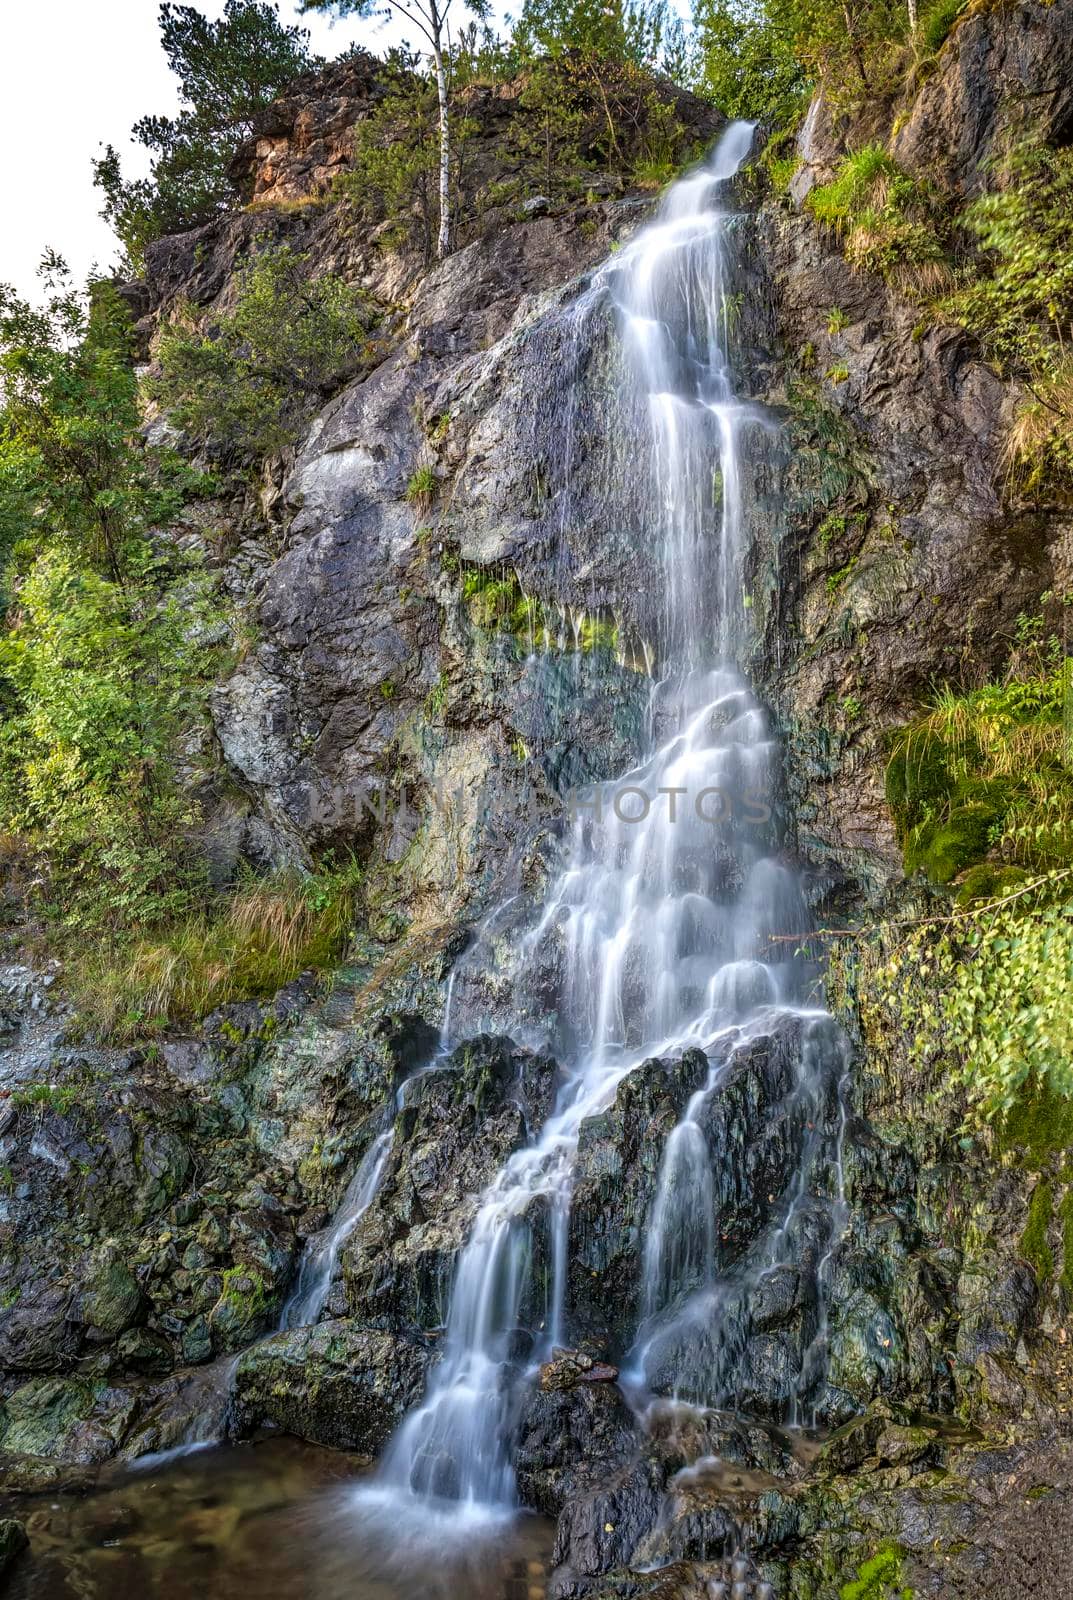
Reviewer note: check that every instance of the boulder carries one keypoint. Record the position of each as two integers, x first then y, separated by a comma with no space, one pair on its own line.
334,1384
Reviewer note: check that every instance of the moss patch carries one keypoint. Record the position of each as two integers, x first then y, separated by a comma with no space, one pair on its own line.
1034,1246
1037,1126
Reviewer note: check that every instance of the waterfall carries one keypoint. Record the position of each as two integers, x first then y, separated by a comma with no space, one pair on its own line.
673,919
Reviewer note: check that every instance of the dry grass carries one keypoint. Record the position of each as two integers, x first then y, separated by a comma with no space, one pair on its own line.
1039,446
266,935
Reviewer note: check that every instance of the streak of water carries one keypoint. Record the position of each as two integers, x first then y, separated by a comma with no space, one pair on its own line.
306,1300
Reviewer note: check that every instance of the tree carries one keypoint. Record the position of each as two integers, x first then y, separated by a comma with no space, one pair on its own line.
430,18
646,33
748,60
103,667
72,469
228,71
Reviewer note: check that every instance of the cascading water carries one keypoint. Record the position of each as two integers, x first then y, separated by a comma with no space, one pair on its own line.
672,921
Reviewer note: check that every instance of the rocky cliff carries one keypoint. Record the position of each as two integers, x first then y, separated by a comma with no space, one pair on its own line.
394,702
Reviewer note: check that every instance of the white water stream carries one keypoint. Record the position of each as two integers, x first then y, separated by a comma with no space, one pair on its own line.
673,919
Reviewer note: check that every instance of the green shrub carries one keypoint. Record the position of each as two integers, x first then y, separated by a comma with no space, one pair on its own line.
105,681
248,384
890,223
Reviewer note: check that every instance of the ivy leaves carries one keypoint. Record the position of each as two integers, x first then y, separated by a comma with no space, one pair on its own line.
988,994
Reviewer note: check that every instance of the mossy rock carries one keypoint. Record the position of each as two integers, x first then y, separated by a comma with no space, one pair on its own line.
989,881
1034,1246
943,849
1037,1126
13,1542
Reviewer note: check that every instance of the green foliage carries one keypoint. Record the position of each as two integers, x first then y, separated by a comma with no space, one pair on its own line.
641,33
980,786
748,61
105,661
247,385
421,487
574,113
393,173
246,946
936,23
989,995
985,774
72,468
1021,302
879,1578
104,679
890,223
228,70
496,602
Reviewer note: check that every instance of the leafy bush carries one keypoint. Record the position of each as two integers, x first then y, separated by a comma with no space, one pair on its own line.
248,385
72,466
988,994
394,167
104,681
985,774
106,655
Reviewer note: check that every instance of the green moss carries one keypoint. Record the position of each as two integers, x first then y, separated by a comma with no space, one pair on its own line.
987,881
245,1293
941,849
879,1578
497,603
1065,1216
1037,1126
1034,1247
918,777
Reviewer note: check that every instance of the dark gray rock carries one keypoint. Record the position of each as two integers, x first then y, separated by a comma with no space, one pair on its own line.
334,1384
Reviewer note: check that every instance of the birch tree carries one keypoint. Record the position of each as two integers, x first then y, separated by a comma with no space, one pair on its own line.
430,18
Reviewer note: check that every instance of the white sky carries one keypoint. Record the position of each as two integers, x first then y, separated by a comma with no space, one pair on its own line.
74,76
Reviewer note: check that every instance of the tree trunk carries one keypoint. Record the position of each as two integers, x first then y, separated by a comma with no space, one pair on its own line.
913,16
443,240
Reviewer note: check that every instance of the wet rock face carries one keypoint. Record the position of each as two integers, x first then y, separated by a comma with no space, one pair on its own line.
459,1123
335,1384
568,1439
616,1174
